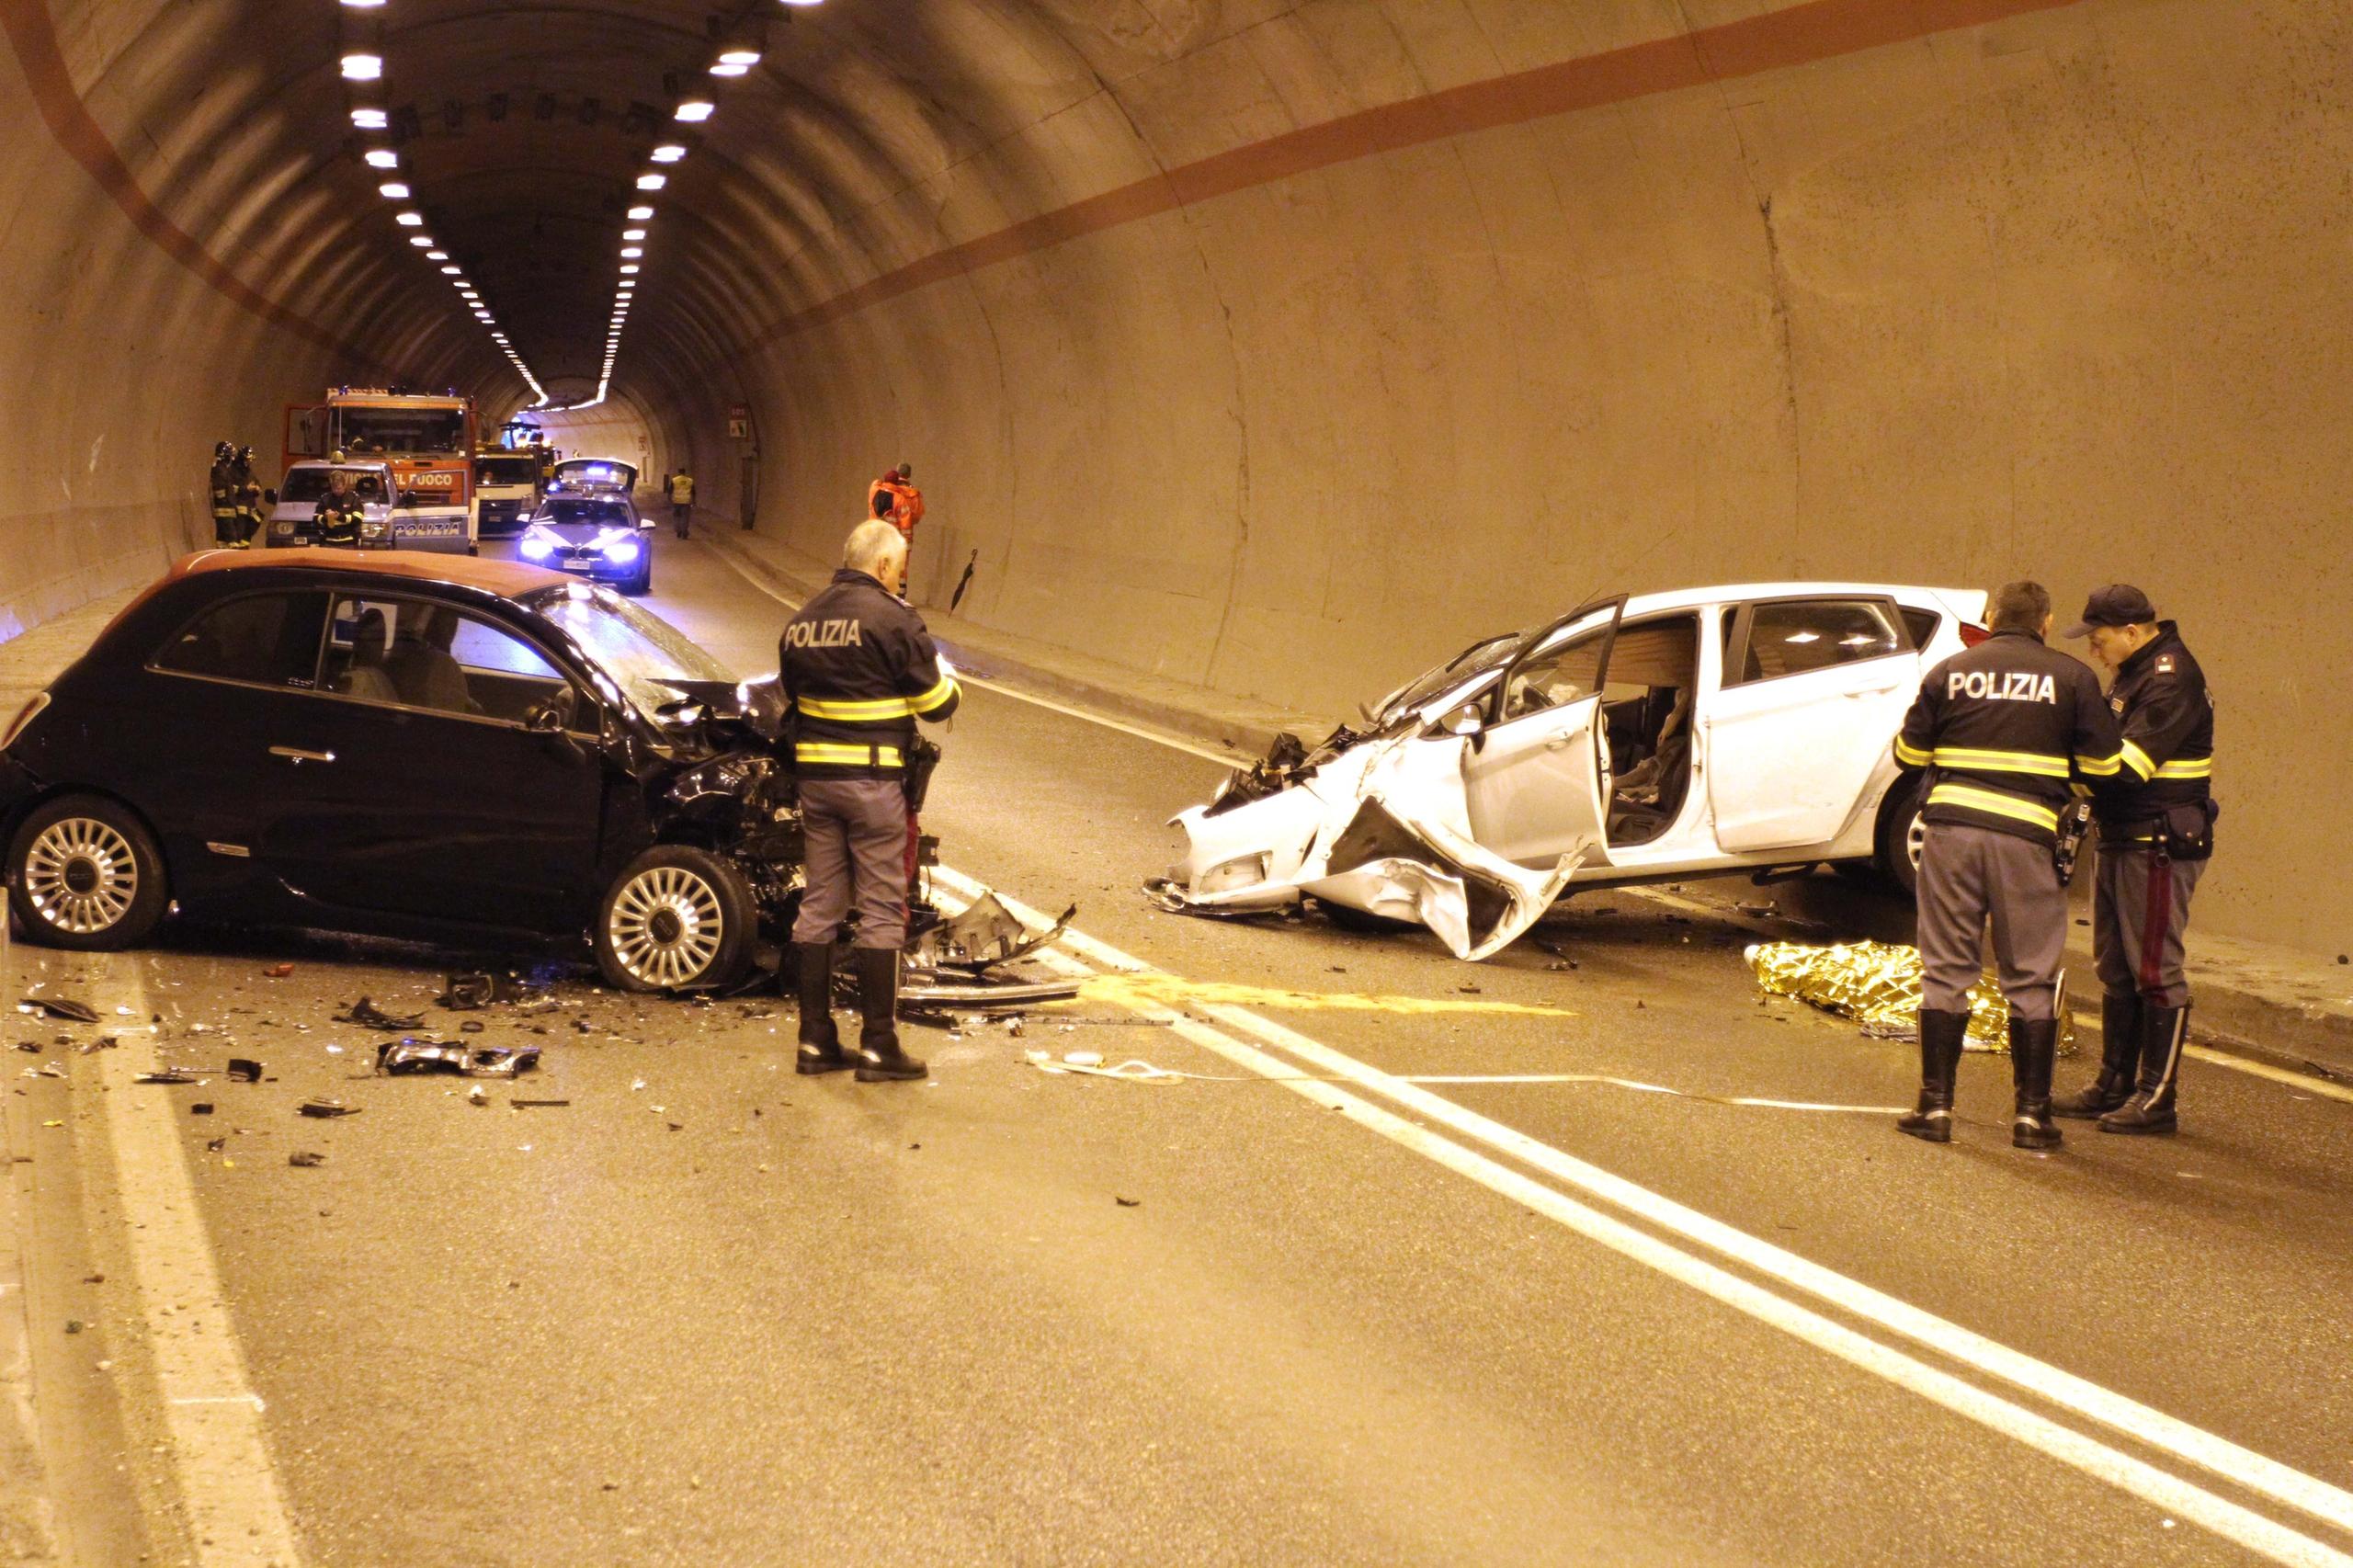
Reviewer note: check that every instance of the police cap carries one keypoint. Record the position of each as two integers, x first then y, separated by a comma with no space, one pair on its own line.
2118,603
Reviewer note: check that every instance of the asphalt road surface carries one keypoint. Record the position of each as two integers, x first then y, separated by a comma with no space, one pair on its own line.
1294,1308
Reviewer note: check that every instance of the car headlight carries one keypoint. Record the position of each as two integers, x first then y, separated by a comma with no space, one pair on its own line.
371,531
620,552
282,529
537,544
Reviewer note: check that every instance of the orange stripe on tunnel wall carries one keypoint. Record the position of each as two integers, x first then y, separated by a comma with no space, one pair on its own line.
32,35
1799,35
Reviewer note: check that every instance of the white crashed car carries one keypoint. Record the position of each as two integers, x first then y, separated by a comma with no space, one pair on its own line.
1641,738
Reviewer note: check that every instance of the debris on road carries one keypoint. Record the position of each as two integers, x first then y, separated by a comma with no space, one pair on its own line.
167,1075
367,1015
58,1008
244,1069
277,970
306,1159
400,1058
325,1107
468,991
983,936
1878,985
202,1107
536,1105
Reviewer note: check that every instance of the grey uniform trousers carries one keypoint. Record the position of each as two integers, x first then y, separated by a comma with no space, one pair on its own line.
2138,939
1968,874
855,833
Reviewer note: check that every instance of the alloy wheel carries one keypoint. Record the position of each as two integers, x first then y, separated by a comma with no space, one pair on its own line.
665,927
81,875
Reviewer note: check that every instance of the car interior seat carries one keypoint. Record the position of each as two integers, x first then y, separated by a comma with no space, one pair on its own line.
366,676
423,667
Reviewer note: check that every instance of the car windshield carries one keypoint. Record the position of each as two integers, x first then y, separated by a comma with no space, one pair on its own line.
307,485
506,470
638,649
424,432
601,513
1477,659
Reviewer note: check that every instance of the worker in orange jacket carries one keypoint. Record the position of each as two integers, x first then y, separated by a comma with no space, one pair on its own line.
906,501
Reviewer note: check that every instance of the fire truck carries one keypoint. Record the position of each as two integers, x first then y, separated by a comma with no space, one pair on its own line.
428,442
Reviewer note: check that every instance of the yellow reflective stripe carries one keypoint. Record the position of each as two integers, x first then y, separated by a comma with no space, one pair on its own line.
2002,761
853,757
2100,766
2188,767
935,697
1999,805
2138,761
856,711
1910,755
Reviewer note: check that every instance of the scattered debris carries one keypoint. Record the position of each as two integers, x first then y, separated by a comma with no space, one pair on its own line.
58,1008
1127,1202
367,1015
244,1069
279,970
469,991
399,1058
306,1159
537,1104
983,934
325,1107
202,1107
477,1096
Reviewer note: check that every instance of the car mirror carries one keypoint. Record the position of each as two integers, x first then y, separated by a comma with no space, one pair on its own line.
1464,720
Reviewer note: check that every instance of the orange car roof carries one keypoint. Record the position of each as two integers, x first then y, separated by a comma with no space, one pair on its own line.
507,579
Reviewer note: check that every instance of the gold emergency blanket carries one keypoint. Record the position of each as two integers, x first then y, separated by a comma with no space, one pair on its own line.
1878,985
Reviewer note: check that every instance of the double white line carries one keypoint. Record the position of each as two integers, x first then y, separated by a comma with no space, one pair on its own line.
1228,1032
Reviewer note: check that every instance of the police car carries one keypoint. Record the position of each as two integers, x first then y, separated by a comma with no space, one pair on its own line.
596,534
293,519
1638,738
582,475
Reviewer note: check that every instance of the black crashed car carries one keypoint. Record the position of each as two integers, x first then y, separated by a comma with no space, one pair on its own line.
413,746
597,536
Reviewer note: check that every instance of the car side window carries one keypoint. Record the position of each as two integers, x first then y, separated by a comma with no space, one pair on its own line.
1801,635
264,639
1563,674
416,654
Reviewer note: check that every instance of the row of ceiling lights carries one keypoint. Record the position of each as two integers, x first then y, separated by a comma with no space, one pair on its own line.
366,64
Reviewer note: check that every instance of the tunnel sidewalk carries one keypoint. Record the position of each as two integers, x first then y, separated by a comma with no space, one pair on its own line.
2289,1007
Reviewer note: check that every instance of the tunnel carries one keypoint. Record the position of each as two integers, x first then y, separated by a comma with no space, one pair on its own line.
1267,348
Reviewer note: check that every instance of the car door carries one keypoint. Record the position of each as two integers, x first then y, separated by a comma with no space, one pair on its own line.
424,791
208,728
1812,691
1535,777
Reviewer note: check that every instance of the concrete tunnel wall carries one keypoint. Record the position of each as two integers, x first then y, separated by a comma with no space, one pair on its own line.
1284,347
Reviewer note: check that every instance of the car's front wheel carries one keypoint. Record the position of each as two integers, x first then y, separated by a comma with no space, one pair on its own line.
1900,835
677,919
85,873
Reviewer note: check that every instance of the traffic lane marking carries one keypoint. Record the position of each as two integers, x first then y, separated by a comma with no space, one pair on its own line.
229,1493
2144,1423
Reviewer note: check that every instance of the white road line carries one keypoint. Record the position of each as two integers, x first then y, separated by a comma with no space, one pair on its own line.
2305,1082
2193,1445
235,1513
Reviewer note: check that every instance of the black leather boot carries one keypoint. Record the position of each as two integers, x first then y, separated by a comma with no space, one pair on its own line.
2120,1058
2034,1046
1941,1038
880,1060
820,1042
2163,1031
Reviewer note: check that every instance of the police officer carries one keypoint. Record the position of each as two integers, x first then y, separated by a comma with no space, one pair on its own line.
860,669
337,518
2157,830
225,495
2003,730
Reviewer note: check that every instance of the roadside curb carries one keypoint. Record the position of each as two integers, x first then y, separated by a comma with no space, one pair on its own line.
2298,1037
27,1533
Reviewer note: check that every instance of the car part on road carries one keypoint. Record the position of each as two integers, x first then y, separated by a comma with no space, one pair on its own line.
306,1159
366,1014
60,1008
326,1108
244,1070
168,1075
403,1057
468,991
980,935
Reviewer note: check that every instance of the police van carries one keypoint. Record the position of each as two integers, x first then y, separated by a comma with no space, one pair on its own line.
294,517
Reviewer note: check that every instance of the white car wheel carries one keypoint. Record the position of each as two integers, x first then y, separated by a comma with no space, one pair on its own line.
677,917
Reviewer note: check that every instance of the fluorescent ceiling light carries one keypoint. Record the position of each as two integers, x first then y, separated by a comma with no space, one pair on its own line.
633,235
383,158
630,267
437,256
739,57
723,69
362,67
420,239
370,119
452,271
694,111
632,252
393,191
668,152
651,182
640,214
410,219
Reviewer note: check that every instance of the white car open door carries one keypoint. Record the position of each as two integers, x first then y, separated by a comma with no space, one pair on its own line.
1535,776
1813,690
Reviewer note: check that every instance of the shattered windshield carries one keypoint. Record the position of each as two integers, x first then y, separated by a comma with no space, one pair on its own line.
636,649
1477,659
